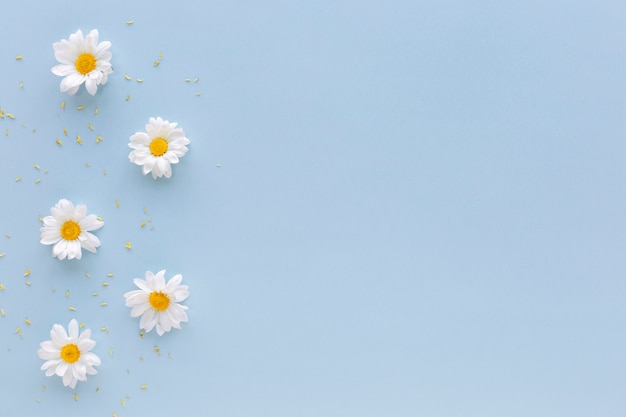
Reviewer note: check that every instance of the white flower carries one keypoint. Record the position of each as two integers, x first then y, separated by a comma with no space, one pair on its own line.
160,146
69,356
82,60
157,302
68,230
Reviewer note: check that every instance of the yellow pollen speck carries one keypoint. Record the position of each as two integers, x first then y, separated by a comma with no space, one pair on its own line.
156,63
65,132
70,230
103,304
160,57
169,355
7,235
197,94
111,352
104,172
87,164
110,274
196,80
97,389
27,283
114,415
128,245
59,142
105,284
149,219
36,400
145,209
19,58
129,22
63,105
41,219
43,388
79,140
187,80
85,63
142,332
82,324
218,165
99,139
127,77
18,179
27,272
37,181
6,132
117,203
2,313
21,84
158,146
139,80
17,330
144,387
90,126
87,275
70,308
10,116
123,403
128,97
104,329
143,224
141,358
95,294
80,107
96,111
2,255
157,350
75,397
67,293
27,321
1,286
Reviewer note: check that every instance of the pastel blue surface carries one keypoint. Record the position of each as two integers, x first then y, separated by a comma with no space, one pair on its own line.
418,209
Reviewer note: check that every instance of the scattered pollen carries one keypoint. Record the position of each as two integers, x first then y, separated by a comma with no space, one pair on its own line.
197,94
128,246
149,219
37,181
100,218
79,140
104,172
157,350
169,355
111,352
127,77
65,132
2,313
36,166
142,332
59,142
70,308
10,116
43,388
21,84
7,235
41,219
156,63
141,358
90,126
18,179
67,293
87,275
82,324
143,224
1,286
63,105
6,132
96,111
36,400
19,58
99,139
27,283
123,403
2,255
160,57
187,80
196,80
104,329
144,387
110,274
105,284
103,304
80,108
128,97
117,203
27,272
129,22
145,209
87,164
114,415
95,294
75,397
139,80
27,321
17,330
218,165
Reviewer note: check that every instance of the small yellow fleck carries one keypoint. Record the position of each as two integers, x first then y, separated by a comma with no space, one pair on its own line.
123,403
129,22
46,172
105,284
104,172
79,140
67,293
157,350
6,132
2,255
37,181
127,245
141,358
63,105
18,179
104,329
128,97
75,397
59,142
100,218
82,324
36,166
36,400
127,77
196,80
1,286
142,332
21,335
169,355
143,224
111,352
27,321
117,203
65,131
2,313
156,63
10,116
41,219
149,219
70,308
54,289
96,111
114,415
19,58
27,283
27,272
110,274
187,80
160,56
80,108
87,164
99,139
87,275
145,209
103,304
144,387
197,94
97,389
90,126
17,330
43,388
21,84
218,165
95,294
7,235
139,80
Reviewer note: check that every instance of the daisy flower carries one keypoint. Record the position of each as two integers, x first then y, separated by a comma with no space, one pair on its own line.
157,302
68,230
82,60
160,146
68,355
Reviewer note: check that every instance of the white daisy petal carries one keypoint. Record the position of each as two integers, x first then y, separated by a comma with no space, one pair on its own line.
156,302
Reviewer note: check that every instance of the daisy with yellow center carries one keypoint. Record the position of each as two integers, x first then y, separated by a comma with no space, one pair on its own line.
82,60
68,354
68,230
160,146
157,302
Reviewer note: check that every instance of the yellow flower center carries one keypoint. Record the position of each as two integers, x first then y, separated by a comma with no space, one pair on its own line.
158,147
85,63
70,353
70,230
159,301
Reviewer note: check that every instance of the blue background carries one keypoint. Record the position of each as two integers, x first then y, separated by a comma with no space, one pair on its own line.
419,208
